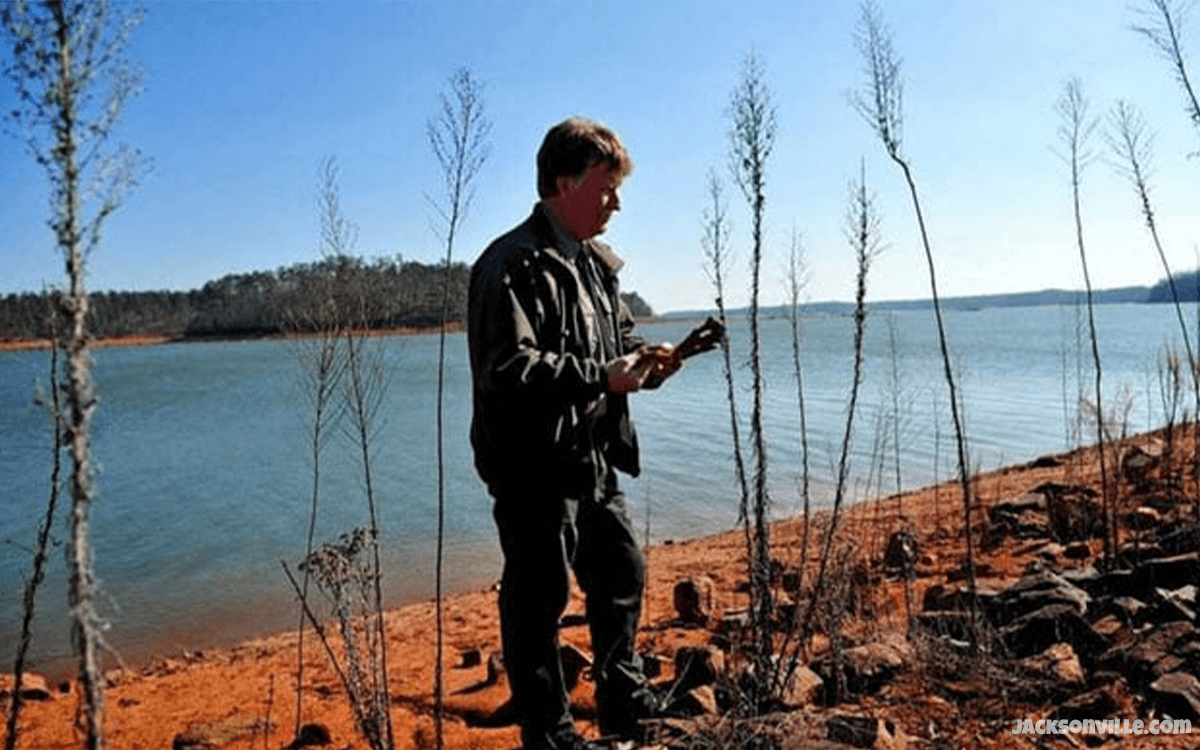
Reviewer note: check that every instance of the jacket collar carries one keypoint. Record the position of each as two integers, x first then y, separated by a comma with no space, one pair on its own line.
557,237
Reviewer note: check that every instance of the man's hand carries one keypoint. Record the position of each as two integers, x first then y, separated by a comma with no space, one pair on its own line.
626,374
647,368
662,362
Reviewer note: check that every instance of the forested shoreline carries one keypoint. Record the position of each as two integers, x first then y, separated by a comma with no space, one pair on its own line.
381,294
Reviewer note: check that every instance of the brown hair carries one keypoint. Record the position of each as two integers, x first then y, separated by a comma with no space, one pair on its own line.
572,146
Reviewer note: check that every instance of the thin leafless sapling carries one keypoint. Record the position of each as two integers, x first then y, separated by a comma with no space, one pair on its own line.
53,405
715,243
863,233
458,136
72,80
1075,129
881,105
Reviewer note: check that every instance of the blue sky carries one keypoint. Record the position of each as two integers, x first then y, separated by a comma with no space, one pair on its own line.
244,98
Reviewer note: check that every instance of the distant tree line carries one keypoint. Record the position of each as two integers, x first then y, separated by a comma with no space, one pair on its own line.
384,293
1187,285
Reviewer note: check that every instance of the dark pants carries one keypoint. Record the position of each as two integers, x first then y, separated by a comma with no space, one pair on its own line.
544,536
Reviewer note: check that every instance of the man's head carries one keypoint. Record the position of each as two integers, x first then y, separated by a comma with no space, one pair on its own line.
581,165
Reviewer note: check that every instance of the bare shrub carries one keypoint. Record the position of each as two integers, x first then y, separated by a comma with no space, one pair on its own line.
346,573
751,142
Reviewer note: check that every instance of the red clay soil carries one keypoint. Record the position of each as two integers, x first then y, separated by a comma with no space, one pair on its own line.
230,694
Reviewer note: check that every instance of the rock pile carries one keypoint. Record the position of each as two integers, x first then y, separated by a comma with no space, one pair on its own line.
1105,641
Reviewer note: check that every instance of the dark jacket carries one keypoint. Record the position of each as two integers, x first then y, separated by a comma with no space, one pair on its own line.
542,416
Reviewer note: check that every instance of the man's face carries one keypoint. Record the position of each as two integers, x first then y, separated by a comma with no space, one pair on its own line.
586,202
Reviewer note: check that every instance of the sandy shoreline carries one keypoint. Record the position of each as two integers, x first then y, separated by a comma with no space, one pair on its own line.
149,704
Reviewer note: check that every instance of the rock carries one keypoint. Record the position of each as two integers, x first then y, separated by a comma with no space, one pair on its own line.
1075,512
1180,535
119,676
1033,592
1177,604
1044,462
33,687
1177,695
1111,627
1085,578
785,612
652,665
1111,699
1055,623
470,658
1167,572
695,600
1142,519
698,701
733,624
1138,466
1111,583
311,735
192,741
1050,551
212,735
962,573
961,690
1137,551
958,598
1127,609
697,665
1153,656
802,689
1057,663
1032,524
866,668
861,731
1078,551
902,552
1016,506
1024,517
1165,502
791,580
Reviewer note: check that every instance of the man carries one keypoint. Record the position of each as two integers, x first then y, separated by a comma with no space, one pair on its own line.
553,357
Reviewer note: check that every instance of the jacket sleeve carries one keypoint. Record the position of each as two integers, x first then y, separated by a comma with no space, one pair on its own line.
509,306
630,340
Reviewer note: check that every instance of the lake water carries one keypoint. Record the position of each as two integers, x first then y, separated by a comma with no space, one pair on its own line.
205,475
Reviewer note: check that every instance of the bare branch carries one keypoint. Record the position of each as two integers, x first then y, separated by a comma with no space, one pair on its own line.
882,98
1163,27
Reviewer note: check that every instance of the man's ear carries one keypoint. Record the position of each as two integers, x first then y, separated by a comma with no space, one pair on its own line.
562,184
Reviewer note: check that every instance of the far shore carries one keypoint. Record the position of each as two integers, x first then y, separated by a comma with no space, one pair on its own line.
154,339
